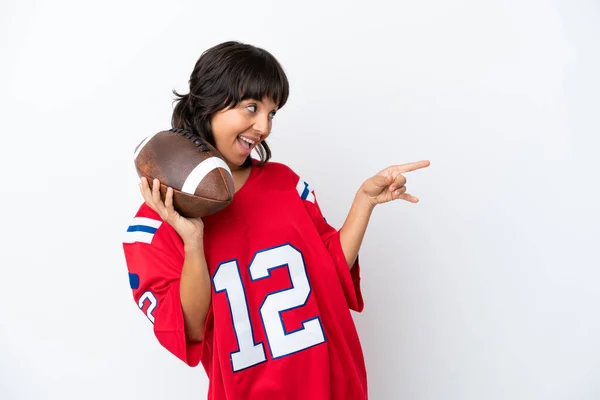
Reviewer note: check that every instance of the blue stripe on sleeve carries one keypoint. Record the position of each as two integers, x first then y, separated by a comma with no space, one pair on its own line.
134,280
141,228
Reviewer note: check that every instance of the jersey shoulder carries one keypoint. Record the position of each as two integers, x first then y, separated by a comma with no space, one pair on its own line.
146,228
279,170
153,250
284,173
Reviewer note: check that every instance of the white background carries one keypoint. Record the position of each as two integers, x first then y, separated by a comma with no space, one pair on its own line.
487,289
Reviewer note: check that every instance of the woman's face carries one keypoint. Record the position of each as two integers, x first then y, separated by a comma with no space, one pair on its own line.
237,130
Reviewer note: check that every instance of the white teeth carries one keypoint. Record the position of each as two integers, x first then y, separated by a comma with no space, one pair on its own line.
246,140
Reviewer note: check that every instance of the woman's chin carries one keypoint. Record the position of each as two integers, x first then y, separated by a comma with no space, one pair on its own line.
234,164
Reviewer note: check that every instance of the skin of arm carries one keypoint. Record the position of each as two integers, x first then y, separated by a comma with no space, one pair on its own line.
354,228
194,292
388,185
194,284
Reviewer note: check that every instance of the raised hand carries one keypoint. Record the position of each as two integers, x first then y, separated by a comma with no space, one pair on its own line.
189,229
389,184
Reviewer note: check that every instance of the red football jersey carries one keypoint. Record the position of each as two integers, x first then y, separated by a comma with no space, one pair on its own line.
279,325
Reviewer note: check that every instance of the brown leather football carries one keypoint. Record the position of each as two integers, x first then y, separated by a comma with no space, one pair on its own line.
201,180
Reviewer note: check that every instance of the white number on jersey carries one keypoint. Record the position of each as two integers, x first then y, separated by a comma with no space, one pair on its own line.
150,297
227,278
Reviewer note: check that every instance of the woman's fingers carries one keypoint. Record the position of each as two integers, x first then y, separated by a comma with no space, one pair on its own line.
151,195
156,193
169,198
409,197
400,191
146,192
399,182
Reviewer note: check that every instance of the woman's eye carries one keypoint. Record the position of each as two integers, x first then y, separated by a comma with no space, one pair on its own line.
251,108
272,115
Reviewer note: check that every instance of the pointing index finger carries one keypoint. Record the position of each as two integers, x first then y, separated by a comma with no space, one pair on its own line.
412,166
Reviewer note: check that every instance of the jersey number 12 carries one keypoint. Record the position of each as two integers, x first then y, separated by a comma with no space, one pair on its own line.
227,278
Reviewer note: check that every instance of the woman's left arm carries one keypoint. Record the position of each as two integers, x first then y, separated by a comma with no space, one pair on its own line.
387,185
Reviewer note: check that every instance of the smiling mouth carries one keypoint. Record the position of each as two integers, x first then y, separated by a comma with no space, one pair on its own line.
246,143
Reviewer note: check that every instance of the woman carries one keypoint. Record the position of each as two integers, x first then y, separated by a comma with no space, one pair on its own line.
261,291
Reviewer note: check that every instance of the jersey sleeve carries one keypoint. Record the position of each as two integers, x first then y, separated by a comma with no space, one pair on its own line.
349,278
154,256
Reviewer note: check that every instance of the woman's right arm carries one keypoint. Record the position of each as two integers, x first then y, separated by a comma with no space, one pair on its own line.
194,286
195,291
